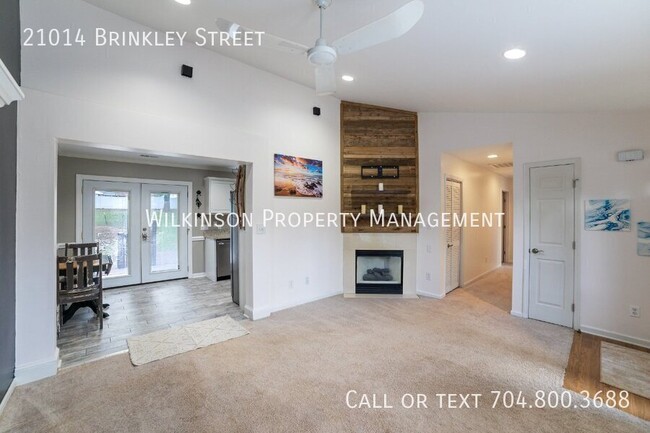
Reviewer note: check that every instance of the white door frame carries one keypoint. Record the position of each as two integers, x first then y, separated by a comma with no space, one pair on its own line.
578,216
79,209
461,283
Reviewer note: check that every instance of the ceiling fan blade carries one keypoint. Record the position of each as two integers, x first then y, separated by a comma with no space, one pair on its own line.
390,27
325,80
268,40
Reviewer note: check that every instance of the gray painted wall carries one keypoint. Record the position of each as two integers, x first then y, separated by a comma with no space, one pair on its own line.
10,55
67,185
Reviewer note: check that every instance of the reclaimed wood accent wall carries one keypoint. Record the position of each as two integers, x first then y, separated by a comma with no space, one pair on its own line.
377,136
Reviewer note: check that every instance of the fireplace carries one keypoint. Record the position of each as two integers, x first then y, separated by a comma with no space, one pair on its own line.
379,272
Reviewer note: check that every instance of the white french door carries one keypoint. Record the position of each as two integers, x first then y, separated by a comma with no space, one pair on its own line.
164,241
139,226
552,255
453,205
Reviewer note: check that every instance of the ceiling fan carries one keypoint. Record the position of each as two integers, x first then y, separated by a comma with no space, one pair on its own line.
323,55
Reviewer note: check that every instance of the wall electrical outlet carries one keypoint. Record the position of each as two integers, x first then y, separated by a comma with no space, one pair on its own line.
428,276
291,284
635,311
307,280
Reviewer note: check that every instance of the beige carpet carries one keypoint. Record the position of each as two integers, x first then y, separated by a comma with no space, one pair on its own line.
292,373
155,346
625,368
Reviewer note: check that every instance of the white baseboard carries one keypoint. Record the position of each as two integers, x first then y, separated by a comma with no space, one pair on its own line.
37,370
256,313
516,313
615,336
5,399
431,295
305,301
467,283
198,275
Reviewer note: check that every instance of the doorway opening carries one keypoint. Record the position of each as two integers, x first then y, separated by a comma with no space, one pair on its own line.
157,271
478,181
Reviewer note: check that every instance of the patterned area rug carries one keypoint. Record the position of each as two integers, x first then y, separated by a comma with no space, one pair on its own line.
169,342
625,368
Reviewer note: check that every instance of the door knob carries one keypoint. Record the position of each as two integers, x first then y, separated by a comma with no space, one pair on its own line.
536,251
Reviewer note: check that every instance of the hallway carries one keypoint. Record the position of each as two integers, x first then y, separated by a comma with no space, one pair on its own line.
494,288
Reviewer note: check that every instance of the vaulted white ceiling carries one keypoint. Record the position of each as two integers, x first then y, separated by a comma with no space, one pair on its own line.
583,55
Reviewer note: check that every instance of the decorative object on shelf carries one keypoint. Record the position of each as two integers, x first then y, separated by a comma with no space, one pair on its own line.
198,201
380,172
363,209
9,89
607,215
643,239
400,209
381,186
380,209
298,177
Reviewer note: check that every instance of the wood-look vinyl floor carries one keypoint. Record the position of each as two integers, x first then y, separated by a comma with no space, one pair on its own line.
583,372
142,309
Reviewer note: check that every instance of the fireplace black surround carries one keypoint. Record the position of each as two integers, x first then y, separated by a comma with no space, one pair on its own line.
379,272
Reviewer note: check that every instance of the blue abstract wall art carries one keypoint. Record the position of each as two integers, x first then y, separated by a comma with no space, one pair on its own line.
643,243
607,215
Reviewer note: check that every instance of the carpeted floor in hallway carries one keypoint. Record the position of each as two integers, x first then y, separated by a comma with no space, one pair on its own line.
292,374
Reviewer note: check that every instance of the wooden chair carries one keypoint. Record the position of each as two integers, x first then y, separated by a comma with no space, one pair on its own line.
81,281
73,249
81,249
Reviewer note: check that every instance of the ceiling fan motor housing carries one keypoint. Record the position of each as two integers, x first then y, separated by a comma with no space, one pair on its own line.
322,54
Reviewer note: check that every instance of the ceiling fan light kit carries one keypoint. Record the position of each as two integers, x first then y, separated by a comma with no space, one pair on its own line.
323,56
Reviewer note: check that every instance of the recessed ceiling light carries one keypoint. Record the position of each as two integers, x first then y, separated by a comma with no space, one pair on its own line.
493,156
348,78
514,54
184,2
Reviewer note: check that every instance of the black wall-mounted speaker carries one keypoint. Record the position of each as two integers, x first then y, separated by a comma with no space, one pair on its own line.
187,71
316,111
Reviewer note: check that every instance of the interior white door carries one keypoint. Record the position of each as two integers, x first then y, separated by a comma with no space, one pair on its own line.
552,255
453,197
111,217
164,238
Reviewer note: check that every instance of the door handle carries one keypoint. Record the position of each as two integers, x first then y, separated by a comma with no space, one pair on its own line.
450,245
536,251
145,235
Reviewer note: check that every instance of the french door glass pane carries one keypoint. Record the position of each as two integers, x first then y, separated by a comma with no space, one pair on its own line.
164,237
112,228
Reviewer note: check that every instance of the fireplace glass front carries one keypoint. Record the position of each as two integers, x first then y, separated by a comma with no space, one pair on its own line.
379,272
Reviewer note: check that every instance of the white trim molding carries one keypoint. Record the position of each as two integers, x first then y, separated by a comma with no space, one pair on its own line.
516,314
479,276
198,238
616,336
9,89
37,370
5,399
430,294
198,275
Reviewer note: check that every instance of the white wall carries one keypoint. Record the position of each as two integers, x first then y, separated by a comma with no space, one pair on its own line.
135,98
481,246
612,276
